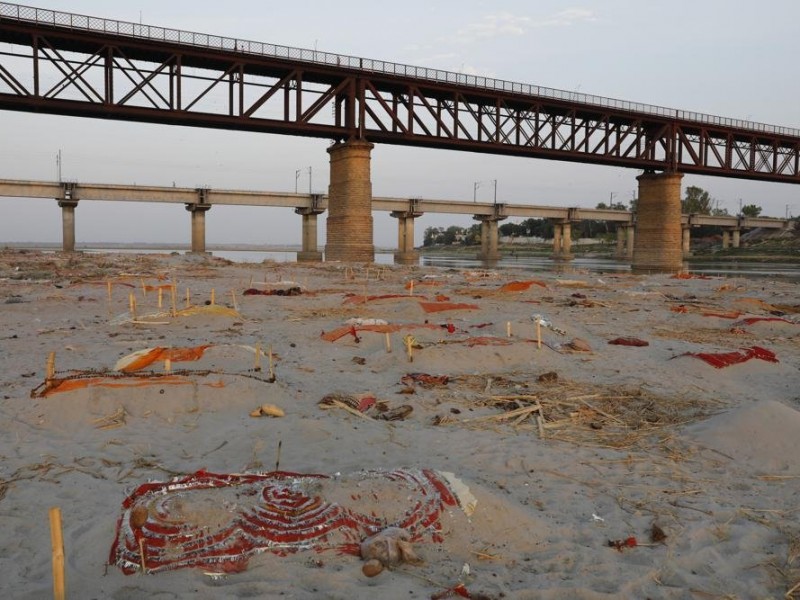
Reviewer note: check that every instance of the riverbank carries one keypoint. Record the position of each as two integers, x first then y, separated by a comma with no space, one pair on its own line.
599,470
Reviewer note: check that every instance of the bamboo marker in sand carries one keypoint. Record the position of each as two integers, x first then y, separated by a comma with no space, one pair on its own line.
141,555
167,365
57,545
539,334
213,296
174,295
388,343
271,365
409,342
233,297
51,366
144,287
160,297
132,305
508,328
411,288
188,298
257,366
108,285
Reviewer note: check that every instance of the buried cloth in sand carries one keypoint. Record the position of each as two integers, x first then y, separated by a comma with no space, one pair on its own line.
725,359
217,522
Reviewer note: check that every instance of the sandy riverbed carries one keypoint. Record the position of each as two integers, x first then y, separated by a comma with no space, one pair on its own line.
620,439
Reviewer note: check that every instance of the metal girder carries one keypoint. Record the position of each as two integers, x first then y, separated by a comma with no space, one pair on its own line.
46,67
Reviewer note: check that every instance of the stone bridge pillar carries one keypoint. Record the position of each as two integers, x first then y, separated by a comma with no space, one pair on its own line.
349,225
310,251
726,239
489,236
630,235
658,246
736,238
406,254
198,212
68,202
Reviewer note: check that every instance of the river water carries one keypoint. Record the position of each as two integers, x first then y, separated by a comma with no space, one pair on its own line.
727,268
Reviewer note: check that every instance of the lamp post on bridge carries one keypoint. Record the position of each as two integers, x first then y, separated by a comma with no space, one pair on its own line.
297,174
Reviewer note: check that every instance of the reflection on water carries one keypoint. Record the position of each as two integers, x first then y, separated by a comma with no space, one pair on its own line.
790,271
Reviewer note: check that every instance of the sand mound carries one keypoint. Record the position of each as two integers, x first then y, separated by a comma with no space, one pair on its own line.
763,435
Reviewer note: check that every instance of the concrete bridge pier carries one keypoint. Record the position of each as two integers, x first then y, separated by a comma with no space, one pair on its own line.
658,246
198,212
731,236
489,237
406,254
625,238
349,224
68,202
309,251
562,240
686,240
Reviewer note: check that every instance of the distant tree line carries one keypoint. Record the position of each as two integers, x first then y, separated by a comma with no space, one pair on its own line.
697,201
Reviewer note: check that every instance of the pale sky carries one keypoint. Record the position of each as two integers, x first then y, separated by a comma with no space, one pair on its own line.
714,56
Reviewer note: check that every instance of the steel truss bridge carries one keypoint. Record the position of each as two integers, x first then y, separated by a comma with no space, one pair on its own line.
62,63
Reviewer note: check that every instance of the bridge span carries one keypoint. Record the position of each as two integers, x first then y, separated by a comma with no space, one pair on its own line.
198,201
77,65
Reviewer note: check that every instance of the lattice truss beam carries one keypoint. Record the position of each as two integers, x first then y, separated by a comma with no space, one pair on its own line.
175,84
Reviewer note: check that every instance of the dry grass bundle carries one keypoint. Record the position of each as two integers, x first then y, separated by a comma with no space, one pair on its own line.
610,416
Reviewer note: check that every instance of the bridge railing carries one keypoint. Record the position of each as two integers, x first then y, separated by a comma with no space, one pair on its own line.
203,40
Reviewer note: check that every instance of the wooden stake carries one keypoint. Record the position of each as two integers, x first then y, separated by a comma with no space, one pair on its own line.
144,287
174,296
233,297
108,285
388,343
141,555
188,298
213,296
539,334
258,357
57,545
508,328
132,304
409,342
278,459
167,365
271,364
51,366
160,297
411,288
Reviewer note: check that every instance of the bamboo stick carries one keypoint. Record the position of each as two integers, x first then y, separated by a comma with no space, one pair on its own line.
508,328
213,296
108,285
141,555
188,298
271,363
132,304
539,334
233,297
57,545
388,343
51,366
257,366
160,297
174,295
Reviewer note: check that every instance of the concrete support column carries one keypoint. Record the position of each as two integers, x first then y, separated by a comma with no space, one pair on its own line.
736,235
620,251
562,240
68,224
406,254
309,251
630,234
557,235
566,241
198,212
349,226
658,226
489,238
686,241
726,239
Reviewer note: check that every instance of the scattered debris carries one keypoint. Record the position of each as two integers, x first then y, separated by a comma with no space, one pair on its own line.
628,341
621,544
